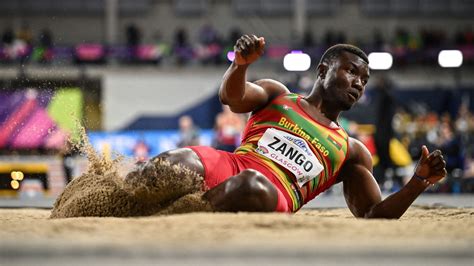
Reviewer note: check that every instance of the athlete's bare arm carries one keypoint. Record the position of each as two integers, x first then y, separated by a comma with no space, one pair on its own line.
363,194
243,96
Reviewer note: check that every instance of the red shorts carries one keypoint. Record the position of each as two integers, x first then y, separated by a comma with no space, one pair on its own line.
220,165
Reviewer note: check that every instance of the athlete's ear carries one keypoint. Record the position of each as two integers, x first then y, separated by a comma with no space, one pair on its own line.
322,70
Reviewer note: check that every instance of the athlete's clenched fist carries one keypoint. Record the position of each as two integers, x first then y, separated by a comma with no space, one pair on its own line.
248,48
431,166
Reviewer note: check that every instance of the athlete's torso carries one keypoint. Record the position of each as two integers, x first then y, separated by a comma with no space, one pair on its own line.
305,155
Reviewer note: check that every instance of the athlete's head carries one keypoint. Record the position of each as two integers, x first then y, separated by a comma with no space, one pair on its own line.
343,72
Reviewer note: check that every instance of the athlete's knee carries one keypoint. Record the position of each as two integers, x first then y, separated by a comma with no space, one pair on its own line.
173,156
185,157
255,188
252,182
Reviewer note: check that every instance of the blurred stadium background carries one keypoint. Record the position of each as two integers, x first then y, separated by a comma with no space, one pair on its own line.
142,77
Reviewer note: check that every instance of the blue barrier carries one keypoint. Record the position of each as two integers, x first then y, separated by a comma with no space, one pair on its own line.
140,143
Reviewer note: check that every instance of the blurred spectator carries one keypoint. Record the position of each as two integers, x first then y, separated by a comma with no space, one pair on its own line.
46,38
13,47
305,84
400,44
341,37
133,38
228,128
464,37
450,144
188,133
133,35
308,39
378,42
465,126
141,150
385,110
329,38
210,47
162,48
67,154
43,52
228,45
8,36
414,42
6,51
234,35
181,47
25,34
432,38
208,35
453,138
406,45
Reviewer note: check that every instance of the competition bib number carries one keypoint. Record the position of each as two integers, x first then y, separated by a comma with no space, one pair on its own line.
291,152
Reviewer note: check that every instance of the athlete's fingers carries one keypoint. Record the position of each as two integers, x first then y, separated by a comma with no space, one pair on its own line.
435,160
434,155
248,42
441,173
246,45
247,38
424,154
238,45
438,167
236,49
241,42
438,161
444,172
261,45
242,49
255,42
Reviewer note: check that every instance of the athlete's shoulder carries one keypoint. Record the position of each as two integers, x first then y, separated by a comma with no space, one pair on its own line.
272,87
358,153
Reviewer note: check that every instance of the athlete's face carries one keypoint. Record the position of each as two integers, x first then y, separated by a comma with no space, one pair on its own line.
345,80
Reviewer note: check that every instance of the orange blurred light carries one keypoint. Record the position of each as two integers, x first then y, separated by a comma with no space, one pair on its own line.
15,184
17,175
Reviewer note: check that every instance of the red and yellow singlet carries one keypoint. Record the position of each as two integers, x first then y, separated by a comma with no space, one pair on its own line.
303,154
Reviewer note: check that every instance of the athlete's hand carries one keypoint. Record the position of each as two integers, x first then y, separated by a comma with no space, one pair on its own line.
431,166
248,48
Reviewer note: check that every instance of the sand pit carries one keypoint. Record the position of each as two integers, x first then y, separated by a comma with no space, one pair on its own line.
424,235
445,234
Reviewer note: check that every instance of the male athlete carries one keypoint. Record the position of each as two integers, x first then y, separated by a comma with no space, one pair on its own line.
293,147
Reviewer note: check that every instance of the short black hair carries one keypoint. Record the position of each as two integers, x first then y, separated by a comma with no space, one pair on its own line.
335,50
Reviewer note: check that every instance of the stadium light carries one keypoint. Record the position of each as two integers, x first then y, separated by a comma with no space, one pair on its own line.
450,58
231,56
380,61
15,184
296,61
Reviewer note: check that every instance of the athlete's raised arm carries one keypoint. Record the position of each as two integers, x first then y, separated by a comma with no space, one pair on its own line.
363,194
243,96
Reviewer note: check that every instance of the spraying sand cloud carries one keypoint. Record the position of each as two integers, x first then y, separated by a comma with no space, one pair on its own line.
154,187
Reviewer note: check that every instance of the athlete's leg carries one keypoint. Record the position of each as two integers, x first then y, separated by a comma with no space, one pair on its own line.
165,178
186,157
247,191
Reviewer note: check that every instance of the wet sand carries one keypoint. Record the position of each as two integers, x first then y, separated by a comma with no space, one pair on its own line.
437,233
